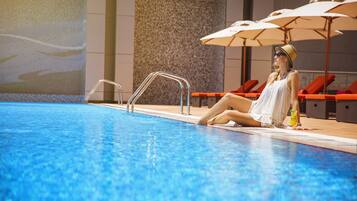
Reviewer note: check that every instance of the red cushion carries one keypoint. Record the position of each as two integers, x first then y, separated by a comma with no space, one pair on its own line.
261,87
215,94
252,95
239,94
344,97
344,92
320,97
246,87
196,94
317,85
353,87
301,97
302,91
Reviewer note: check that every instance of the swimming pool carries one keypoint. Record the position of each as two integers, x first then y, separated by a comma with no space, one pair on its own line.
88,152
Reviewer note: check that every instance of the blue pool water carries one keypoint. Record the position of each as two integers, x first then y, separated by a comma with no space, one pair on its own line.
86,152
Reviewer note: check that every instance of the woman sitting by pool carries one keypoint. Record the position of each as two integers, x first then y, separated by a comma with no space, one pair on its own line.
273,104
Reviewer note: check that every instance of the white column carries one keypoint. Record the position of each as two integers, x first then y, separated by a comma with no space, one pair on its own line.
261,56
124,55
232,66
95,37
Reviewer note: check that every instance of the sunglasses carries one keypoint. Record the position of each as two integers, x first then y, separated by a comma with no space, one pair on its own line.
278,54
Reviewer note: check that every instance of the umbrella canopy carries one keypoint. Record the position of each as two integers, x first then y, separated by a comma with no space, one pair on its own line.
348,7
314,16
260,33
230,36
291,34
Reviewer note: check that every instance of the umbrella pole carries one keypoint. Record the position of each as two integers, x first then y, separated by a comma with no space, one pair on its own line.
328,47
244,62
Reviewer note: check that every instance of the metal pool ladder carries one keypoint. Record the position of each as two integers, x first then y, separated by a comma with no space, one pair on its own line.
117,85
149,79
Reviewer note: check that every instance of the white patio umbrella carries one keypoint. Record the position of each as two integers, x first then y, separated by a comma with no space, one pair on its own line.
292,34
348,7
259,33
230,37
314,16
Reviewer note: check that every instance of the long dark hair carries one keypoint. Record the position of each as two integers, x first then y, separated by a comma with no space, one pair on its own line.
290,68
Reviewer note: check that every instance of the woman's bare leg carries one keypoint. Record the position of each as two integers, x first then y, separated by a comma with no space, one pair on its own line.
241,118
229,100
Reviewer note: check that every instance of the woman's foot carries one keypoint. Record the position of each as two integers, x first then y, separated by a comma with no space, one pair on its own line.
202,122
219,119
211,121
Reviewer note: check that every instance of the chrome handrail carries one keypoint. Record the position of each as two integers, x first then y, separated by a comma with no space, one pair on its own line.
188,86
152,79
117,85
146,80
149,79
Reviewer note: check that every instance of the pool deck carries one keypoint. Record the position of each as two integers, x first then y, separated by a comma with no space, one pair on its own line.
323,133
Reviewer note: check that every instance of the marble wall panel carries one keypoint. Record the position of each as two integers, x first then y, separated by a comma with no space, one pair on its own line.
42,47
167,34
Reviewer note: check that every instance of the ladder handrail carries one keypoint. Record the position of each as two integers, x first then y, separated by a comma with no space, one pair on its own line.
143,87
181,91
188,86
147,85
146,80
117,85
149,79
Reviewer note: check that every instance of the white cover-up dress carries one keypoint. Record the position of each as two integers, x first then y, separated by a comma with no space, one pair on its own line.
272,106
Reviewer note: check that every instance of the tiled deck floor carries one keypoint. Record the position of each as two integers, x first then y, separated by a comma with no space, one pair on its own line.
323,133
327,127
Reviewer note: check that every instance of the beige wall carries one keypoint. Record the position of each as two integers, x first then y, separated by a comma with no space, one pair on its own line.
124,46
261,56
232,68
95,27
124,55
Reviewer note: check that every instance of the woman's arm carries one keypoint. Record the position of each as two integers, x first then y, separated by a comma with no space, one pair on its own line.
295,83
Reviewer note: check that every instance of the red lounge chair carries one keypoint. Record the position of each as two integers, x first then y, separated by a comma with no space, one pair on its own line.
346,104
197,98
246,87
320,105
213,98
346,108
256,93
352,89
315,87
